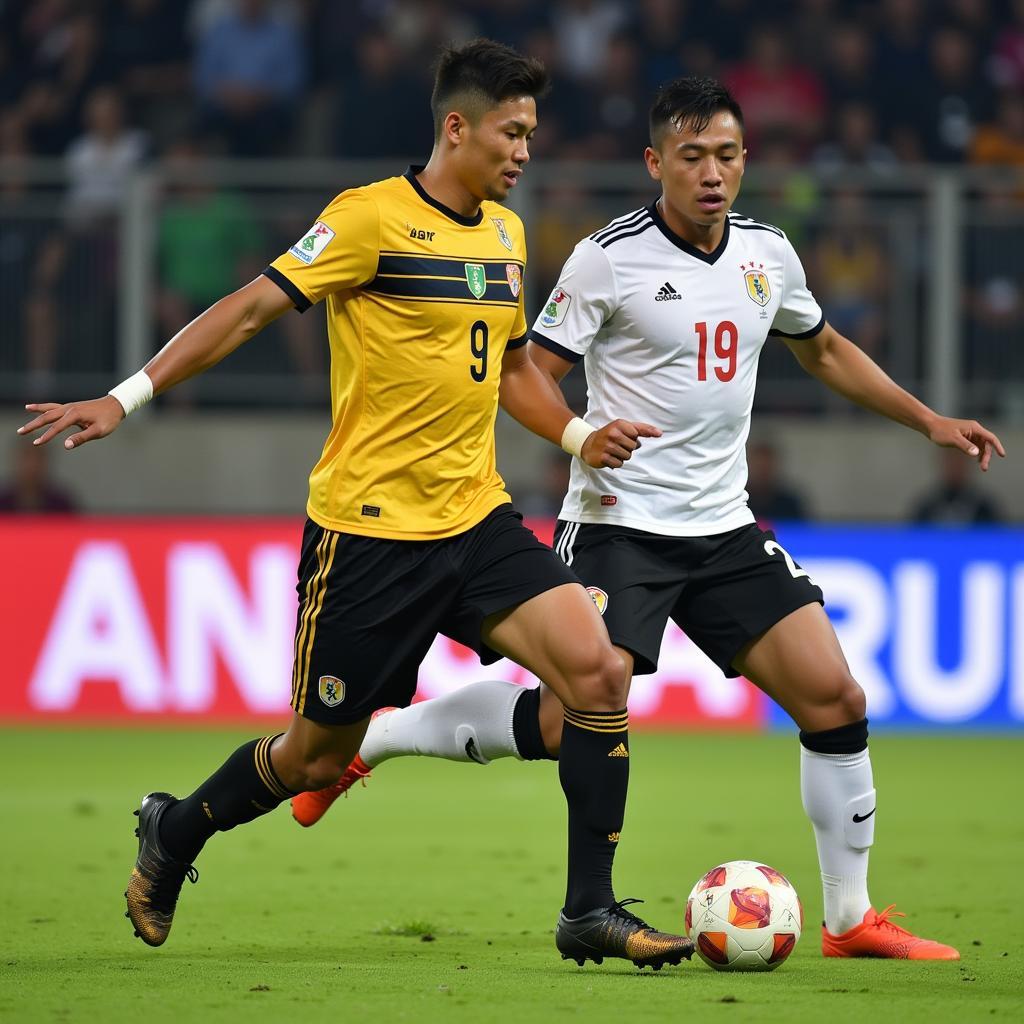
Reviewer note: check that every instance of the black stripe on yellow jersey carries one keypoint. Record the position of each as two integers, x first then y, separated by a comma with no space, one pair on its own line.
444,277
392,264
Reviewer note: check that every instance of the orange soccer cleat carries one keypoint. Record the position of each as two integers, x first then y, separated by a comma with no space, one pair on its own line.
308,808
877,936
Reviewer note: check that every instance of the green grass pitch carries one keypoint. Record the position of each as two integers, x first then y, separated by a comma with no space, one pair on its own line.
431,894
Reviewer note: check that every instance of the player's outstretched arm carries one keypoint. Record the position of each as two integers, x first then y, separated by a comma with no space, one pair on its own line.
850,372
530,394
195,348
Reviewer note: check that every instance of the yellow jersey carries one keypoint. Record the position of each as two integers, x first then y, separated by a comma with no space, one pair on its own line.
421,305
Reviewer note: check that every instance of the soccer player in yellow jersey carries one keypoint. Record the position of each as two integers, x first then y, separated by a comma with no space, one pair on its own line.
410,532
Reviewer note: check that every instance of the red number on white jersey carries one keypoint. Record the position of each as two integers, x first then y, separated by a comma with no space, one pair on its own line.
726,349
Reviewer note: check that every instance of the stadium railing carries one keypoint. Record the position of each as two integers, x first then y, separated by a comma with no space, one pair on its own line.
918,264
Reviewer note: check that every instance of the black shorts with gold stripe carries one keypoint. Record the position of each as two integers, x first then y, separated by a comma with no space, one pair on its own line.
370,608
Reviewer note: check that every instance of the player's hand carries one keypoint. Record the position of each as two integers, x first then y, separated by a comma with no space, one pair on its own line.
97,418
969,436
612,445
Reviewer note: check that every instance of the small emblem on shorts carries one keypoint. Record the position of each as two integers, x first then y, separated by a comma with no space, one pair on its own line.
599,597
332,690
609,499
371,510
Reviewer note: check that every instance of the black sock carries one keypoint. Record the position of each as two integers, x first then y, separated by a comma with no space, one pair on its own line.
593,767
243,788
851,738
526,727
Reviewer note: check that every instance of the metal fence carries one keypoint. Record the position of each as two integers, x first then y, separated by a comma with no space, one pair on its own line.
920,266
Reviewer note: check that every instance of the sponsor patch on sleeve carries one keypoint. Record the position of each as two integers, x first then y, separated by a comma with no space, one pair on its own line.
312,243
555,308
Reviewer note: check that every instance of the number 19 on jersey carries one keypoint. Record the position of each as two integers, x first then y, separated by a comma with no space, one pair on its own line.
726,344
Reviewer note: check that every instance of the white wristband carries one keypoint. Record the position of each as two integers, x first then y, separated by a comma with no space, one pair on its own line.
575,435
136,391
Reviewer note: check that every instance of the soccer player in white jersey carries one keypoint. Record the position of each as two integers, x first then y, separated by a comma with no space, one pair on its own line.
669,307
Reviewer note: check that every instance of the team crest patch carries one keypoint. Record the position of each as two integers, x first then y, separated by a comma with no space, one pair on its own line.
757,286
312,243
515,279
476,278
599,597
499,226
332,690
556,308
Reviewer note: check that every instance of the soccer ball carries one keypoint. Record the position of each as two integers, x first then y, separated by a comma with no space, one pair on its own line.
744,916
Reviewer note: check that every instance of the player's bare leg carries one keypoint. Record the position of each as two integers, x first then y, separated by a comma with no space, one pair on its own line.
799,663
257,777
559,635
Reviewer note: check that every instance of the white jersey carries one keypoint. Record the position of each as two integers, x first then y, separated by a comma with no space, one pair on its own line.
671,336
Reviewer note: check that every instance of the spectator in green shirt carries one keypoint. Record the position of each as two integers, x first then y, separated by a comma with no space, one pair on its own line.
209,243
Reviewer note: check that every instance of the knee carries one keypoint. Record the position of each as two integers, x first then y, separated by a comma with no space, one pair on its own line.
839,703
851,704
598,682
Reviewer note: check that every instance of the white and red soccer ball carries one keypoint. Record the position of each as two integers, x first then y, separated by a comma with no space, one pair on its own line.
744,916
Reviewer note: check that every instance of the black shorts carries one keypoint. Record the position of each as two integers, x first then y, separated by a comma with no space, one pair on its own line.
369,608
722,591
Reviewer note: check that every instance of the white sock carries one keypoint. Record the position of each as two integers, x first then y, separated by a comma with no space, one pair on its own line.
839,798
472,724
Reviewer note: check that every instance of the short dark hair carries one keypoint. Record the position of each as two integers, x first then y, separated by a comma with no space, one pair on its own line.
481,74
692,103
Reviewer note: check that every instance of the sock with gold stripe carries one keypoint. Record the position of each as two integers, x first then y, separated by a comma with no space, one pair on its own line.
242,789
593,767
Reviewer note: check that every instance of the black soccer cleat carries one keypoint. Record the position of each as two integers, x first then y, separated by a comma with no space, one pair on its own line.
614,931
157,877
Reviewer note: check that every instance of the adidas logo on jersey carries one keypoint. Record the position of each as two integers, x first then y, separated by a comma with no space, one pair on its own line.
619,751
666,292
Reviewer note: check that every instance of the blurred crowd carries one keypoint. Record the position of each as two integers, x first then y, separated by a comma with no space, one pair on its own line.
108,86
868,83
